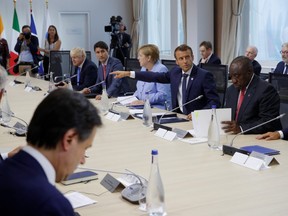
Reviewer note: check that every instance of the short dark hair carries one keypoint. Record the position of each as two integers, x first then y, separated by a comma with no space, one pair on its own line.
244,63
183,47
59,112
206,44
25,26
101,44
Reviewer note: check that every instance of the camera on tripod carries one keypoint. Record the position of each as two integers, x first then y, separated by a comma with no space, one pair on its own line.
114,26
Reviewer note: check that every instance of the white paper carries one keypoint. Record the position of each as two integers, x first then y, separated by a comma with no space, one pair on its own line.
126,99
78,200
195,140
170,135
201,120
160,132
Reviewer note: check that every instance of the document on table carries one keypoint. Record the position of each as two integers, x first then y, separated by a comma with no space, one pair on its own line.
78,200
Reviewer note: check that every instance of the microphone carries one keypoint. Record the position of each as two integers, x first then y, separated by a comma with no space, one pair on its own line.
61,83
134,192
20,129
24,72
120,101
96,84
197,98
229,149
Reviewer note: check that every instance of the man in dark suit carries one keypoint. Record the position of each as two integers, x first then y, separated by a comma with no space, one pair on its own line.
62,128
107,64
251,53
207,56
275,135
198,82
282,66
252,100
27,48
85,70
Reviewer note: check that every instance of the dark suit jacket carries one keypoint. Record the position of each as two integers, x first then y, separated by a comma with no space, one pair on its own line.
25,189
213,60
33,47
280,67
285,132
256,67
261,103
88,76
201,82
114,87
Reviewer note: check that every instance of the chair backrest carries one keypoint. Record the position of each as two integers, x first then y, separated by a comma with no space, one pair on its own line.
280,83
220,73
61,63
132,64
169,63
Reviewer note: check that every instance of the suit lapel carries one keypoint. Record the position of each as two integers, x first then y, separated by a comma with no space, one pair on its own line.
191,79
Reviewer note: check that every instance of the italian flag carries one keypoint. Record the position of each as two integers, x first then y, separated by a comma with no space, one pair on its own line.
1,25
15,34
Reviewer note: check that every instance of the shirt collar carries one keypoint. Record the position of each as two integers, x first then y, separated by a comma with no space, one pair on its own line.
189,71
44,163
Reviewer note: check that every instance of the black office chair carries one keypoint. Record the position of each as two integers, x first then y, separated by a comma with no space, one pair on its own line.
131,64
169,63
220,73
280,83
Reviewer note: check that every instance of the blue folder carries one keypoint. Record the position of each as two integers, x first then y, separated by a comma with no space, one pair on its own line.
261,149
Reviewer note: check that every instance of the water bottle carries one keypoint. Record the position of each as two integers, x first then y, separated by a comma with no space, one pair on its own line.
155,204
147,112
51,83
27,79
6,111
104,100
213,131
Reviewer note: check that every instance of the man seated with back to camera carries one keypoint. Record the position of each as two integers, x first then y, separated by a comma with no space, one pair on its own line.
27,48
115,87
196,80
62,128
85,74
252,100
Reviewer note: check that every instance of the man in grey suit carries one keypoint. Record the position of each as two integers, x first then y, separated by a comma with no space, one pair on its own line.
115,87
252,100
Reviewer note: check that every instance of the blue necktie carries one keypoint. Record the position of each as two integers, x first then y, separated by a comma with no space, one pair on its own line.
78,75
184,83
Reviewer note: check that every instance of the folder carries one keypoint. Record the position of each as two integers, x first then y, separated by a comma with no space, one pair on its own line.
260,149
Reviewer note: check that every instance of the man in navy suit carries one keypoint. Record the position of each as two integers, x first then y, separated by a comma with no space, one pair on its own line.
281,134
253,101
107,64
251,52
63,126
207,56
198,82
85,70
282,66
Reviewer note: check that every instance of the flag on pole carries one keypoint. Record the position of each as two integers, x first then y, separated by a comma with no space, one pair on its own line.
32,23
15,34
1,25
46,23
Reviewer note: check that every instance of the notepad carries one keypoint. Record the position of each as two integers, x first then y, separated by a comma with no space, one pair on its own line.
261,149
77,177
78,200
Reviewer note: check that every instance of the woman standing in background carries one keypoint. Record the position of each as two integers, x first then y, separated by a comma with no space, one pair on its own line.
52,42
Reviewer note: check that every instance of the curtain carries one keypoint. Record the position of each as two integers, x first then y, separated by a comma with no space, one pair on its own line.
135,32
184,21
231,29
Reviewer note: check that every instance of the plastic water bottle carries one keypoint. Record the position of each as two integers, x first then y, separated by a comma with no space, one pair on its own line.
155,201
6,111
51,83
147,112
104,100
27,79
213,131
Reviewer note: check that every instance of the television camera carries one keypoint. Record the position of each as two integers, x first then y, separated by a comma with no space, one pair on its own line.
114,28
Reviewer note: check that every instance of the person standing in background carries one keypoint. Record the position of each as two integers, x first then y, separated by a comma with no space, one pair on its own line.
207,56
251,53
124,41
4,53
52,42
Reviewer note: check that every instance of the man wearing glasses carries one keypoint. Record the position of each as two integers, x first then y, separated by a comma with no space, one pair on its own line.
282,67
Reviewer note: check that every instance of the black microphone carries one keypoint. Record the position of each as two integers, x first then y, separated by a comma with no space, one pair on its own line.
20,129
229,149
132,193
24,72
197,98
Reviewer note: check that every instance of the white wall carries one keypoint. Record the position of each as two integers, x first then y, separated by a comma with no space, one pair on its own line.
100,12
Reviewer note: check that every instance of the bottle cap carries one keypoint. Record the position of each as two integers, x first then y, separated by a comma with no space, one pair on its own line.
154,152
213,106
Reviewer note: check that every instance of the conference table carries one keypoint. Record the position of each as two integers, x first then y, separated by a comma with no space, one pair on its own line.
197,180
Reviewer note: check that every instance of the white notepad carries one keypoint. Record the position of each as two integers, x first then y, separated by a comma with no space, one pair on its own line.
78,200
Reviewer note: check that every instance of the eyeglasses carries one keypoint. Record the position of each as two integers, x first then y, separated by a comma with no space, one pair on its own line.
284,52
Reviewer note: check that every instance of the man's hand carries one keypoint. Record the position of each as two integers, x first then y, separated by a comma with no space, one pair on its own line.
85,91
269,136
231,127
98,97
121,74
189,117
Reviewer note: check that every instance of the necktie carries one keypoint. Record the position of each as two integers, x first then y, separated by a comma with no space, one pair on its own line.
184,83
286,69
104,72
78,76
241,98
